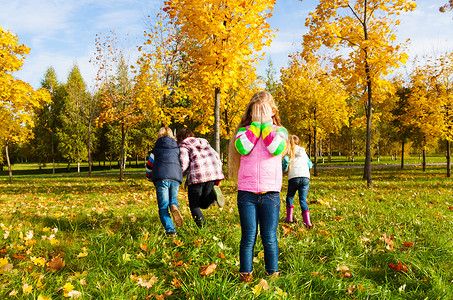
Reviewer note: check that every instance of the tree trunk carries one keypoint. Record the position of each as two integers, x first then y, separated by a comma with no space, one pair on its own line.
123,140
402,154
217,119
448,159
89,148
368,108
315,145
53,155
329,159
9,163
424,159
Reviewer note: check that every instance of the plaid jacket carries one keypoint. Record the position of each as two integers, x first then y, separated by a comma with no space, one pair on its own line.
199,161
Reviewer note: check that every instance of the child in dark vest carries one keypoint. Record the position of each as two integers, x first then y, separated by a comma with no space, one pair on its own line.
164,170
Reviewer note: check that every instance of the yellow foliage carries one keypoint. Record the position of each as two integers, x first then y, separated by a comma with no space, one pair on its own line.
18,100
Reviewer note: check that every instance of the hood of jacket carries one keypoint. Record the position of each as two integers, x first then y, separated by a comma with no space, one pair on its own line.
192,142
166,142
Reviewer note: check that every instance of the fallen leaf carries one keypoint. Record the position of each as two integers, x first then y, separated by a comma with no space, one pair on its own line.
389,243
221,255
406,246
176,282
351,289
5,266
399,268
345,272
27,289
178,243
40,261
262,285
144,247
56,263
146,283
206,270
323,232
286,229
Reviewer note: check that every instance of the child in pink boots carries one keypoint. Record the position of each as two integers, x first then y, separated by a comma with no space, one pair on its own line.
298,165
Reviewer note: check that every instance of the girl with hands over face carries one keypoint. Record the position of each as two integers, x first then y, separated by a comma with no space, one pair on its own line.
255,155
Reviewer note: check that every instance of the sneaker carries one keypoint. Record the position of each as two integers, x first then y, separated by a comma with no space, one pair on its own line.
177,217
219,196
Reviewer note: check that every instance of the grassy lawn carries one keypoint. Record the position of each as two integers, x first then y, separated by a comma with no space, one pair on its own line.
67,235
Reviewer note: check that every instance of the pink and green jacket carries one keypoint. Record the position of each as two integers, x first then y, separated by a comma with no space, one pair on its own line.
261,146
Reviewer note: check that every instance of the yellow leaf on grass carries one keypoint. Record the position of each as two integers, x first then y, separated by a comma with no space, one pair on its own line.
41,297
206,270
178,243
27,289
5,266
40,261
68,287
262,285
84,253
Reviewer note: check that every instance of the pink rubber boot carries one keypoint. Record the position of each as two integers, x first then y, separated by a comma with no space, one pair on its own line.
306,217
289,214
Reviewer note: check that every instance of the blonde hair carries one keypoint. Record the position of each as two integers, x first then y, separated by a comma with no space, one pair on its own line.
234,158
165,131
293,141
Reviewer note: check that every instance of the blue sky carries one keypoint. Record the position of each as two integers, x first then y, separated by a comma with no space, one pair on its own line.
62,33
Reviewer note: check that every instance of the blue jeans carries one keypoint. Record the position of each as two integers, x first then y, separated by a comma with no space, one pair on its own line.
262,209
301,184
167,192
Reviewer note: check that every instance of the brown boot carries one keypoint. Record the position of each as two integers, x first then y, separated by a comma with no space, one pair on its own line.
245,277
176,215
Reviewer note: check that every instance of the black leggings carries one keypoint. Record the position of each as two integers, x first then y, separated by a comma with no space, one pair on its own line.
201,196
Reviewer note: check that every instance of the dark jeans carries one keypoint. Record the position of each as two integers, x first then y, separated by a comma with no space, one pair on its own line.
301,184
201,196
262,209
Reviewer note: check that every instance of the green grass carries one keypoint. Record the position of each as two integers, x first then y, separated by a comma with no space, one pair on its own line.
110,238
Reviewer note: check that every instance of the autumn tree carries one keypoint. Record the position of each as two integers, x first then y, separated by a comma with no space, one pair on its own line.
440,94
314,100
364,32
116,85
446,7
18,99
158,78
221,37
423,111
